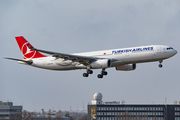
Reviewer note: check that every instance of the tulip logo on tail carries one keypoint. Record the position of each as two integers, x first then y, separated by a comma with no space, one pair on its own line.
27,52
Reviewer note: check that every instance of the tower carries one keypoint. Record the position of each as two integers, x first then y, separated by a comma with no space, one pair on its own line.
97,99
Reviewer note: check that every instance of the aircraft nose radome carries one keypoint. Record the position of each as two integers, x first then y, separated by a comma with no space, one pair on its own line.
175,52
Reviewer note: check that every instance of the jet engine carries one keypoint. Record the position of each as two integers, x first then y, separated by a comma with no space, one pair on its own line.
127,67
104,63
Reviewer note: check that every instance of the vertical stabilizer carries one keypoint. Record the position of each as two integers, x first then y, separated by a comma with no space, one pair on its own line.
26,49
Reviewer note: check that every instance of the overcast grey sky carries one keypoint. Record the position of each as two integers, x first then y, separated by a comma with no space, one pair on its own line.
80,26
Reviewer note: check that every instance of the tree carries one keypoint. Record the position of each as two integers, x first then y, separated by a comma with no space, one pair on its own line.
58,118
83,117
24,115
67,115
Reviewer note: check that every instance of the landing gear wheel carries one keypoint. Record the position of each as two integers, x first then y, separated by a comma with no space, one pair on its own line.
85,75
100,76
160,65
89,72
104,73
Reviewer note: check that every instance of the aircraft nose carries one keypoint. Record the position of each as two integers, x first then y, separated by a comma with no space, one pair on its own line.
172,53
175,52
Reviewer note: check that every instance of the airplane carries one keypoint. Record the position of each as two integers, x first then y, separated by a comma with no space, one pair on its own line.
123,59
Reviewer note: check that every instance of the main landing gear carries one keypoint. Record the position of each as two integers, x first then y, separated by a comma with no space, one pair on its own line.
103,72
160,65
88,72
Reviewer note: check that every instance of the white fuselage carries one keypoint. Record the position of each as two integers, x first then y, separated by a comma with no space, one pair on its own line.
123,56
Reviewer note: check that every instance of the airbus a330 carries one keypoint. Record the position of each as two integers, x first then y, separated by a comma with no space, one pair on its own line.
123,59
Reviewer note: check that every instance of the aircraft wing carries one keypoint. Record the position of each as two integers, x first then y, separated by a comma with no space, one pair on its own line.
76,58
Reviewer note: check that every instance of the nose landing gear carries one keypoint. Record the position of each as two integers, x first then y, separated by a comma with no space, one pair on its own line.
160,65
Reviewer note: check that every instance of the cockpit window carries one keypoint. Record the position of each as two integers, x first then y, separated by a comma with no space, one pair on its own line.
170,48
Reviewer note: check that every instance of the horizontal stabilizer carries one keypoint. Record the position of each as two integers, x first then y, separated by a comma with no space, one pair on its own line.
29,62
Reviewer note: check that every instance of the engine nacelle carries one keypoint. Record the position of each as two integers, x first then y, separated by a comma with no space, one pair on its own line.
104,63
127,67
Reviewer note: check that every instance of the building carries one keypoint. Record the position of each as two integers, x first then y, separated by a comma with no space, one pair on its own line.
48,117
7,109
99,110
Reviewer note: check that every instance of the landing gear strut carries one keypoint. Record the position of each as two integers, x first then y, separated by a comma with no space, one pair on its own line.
160,65
88,72
103,72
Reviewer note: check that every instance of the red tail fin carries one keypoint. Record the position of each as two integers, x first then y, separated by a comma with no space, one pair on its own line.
26,49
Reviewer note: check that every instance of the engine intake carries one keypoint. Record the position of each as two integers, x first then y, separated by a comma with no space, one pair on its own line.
104,63
127,67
